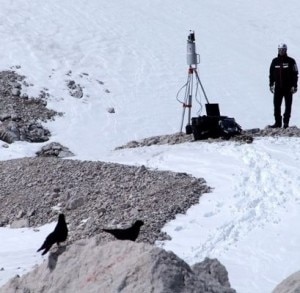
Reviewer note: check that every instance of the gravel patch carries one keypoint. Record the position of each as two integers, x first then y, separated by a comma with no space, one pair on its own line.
247,136
21,116
94,195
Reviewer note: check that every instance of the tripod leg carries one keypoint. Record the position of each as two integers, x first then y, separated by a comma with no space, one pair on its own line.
201,86
187,100
182,119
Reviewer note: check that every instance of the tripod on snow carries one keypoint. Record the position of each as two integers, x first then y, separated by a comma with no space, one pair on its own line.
192,85
189,91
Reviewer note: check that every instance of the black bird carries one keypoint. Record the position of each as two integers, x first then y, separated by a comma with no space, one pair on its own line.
59,234
127,234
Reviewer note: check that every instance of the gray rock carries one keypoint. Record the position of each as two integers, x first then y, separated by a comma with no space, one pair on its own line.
54,149
289,285
20,214
213,268
6,135
22,223
25,96
118,266
75,90
111,110
15,92
75,203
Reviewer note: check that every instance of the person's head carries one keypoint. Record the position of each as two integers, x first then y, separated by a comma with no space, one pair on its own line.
282,48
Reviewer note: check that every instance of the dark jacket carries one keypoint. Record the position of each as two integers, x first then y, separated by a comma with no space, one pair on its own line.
283,73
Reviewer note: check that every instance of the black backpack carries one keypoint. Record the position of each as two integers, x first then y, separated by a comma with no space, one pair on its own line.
228,127
204,127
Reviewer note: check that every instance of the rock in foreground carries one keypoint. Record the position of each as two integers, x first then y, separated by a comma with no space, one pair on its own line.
120,266
289,285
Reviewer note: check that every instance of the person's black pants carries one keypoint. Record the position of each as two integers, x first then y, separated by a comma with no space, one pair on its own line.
288,99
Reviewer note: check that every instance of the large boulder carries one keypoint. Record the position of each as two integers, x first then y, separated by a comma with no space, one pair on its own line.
289,285
119,266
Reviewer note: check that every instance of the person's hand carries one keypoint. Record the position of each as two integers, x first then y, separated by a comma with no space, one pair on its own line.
272,89
293,90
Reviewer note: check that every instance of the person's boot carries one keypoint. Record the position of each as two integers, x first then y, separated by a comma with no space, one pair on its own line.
285,122
276,125
278,122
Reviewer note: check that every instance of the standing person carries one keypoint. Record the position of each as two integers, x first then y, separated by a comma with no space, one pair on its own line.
283,84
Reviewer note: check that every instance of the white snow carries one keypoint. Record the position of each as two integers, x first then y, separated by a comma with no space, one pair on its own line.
132,56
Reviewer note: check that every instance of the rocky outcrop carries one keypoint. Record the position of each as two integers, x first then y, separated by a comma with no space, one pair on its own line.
54,149
75,90
21,116
247,136
120,266
289,285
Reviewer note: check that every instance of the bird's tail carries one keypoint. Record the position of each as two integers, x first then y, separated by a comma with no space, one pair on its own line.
45,251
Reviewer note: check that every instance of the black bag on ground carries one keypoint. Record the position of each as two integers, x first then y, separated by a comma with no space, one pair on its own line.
228,127
204,127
